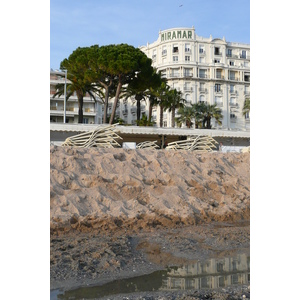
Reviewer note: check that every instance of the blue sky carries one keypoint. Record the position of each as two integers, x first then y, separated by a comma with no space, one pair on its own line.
77,23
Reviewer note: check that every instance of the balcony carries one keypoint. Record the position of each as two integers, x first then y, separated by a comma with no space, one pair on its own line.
188,88
188,74
219,76
202,75
174,75
233,118
233,104
202,90
233,93
219,104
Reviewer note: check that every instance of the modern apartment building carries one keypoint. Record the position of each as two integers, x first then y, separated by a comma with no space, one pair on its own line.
211,70
92,110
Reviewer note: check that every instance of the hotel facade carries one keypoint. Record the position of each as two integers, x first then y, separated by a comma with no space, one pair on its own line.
210,70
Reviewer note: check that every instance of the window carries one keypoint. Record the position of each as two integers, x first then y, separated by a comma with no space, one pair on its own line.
202,73
201,49
232,75
202,87
164,51
175,58
243,55
229,52
231,63
175,49
217,87
187,58
219,101
247,116
231,88
219,74
187,48
217,61
217,51
85,120
247,77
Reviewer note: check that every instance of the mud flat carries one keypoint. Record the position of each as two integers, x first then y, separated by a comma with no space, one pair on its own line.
116,214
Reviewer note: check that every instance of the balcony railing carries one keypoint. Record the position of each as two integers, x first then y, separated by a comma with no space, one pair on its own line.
188,74
202,90
218,76
232,104
202,75
187,88
175,75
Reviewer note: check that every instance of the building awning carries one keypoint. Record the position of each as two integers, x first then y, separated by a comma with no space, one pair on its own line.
154,131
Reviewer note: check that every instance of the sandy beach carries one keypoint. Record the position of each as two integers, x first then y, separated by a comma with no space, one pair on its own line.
116,213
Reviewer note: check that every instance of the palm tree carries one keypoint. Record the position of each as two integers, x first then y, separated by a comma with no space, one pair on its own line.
186,115
209,111
246,108
161,94
77,65
138,97
174,100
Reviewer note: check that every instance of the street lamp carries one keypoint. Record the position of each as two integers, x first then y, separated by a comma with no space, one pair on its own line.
65,94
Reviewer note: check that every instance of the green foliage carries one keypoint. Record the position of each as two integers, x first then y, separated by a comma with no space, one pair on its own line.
186,114
144,121
77,65
246,107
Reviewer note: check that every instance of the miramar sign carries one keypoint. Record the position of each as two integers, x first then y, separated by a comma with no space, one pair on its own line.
176,34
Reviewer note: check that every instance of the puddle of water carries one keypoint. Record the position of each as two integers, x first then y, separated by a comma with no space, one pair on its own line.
207,274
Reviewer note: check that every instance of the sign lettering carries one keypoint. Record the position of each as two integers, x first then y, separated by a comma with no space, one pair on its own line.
171,35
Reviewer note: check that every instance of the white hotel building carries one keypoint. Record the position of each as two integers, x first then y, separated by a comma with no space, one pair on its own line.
204,69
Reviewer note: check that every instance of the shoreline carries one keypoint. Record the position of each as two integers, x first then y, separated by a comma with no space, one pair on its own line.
118,213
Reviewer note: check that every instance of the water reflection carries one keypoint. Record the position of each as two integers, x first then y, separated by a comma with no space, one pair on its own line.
211,273
207,274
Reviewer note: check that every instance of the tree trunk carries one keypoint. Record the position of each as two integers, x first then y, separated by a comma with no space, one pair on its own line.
115,102
161,115
208,123
173,116
80,108
150,110
105,105
138,110
106,87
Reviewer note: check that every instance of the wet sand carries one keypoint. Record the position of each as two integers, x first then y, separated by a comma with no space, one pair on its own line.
117,213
